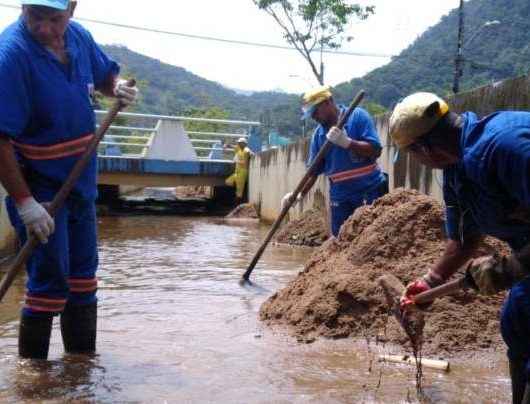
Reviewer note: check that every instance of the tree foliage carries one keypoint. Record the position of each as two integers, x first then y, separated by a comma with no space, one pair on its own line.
314,25
208,113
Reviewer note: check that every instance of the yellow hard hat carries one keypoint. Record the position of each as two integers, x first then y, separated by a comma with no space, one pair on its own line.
312,98
414,116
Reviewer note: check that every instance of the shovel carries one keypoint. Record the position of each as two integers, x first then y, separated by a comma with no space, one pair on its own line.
412,320
59,199
245,279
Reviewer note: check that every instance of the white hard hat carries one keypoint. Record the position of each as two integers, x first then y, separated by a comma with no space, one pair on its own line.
414,116
242,140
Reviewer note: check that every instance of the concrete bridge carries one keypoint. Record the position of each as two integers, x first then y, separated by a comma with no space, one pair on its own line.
134,152
157,151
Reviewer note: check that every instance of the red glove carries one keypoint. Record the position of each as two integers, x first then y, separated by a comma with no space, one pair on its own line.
414,288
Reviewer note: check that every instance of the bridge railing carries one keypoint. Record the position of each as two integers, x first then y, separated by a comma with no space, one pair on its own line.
136,135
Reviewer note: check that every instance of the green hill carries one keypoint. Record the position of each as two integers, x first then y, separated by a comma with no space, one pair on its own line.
171,90
494,53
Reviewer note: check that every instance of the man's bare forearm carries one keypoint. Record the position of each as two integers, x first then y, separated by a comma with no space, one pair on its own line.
364,149
454,256
10,175
107,89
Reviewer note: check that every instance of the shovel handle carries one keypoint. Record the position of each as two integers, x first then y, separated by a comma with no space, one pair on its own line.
310,172
440,291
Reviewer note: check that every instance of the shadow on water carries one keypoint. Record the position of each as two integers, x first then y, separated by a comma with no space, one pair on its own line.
174,325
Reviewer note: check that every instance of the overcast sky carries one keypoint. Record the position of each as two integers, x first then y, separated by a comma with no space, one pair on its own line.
394,26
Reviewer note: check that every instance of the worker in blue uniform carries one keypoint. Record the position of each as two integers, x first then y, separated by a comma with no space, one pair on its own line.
486,167
49,70
351,166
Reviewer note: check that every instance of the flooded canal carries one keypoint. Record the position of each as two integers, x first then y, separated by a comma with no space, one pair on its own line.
175,326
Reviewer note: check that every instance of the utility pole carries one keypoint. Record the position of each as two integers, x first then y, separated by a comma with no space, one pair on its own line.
458,57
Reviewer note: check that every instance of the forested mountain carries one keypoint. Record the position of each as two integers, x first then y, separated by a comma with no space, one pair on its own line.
491,53
171,90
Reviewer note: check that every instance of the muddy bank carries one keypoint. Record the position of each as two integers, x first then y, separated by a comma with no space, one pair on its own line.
309,230
244,211
337,296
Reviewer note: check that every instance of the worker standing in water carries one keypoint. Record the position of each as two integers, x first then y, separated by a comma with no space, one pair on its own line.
486,189
50,68
351,166
239,178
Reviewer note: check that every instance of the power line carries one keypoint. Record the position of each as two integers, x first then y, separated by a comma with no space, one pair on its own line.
216,39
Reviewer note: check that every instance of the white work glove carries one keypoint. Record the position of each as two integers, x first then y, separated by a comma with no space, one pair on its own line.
127,95
339,137
288,196
36,219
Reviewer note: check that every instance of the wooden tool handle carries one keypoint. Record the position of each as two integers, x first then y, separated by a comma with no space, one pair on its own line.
59,199
310,172
439,291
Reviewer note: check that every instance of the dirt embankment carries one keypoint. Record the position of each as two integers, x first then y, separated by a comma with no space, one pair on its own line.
244,211
337,295
309,230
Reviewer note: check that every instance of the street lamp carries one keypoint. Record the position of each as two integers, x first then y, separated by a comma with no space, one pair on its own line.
479,29
461,47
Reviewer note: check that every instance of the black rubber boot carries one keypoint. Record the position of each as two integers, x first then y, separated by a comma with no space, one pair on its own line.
526,397
520,383
78,328
34,337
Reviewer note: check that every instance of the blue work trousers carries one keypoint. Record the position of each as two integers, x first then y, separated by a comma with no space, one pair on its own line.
341,211
515,325
64,269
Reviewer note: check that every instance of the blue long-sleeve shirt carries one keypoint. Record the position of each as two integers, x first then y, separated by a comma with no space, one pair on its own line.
488,190
349,175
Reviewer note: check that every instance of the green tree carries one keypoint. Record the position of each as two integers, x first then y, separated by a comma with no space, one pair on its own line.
374,108
199,140
314,25
208,113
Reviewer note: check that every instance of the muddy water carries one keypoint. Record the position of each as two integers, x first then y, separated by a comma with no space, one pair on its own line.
175,326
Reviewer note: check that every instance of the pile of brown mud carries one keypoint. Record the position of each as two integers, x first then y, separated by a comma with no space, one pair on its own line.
337,295
308,230
244,211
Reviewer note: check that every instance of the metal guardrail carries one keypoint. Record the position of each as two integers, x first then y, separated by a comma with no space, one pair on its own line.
134,141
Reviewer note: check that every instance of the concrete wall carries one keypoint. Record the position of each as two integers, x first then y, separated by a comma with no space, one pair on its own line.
276,172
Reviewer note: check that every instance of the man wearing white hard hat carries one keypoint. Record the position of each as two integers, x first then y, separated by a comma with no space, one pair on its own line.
486,166
49,70
238,179
351,166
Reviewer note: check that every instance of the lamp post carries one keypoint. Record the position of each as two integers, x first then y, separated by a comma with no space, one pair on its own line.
461,45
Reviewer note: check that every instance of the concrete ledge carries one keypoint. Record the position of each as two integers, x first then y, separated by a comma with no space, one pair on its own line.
154,166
